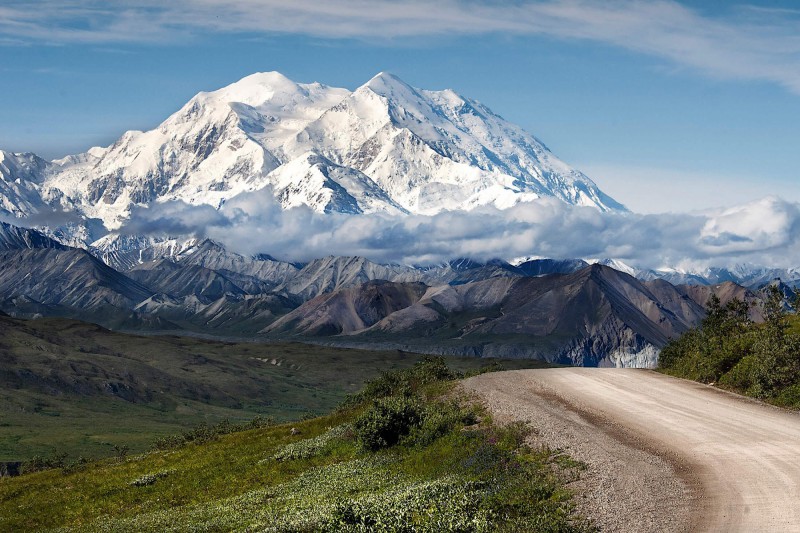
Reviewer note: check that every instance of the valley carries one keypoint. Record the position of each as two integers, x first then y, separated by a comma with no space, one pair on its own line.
77,388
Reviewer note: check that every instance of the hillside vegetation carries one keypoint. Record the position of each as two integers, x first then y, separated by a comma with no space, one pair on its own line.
728,349
77,388
405,454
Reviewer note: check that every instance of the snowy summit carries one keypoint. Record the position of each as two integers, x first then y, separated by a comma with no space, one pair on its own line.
385,147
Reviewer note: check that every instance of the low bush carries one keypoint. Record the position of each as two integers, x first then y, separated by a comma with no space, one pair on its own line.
446,504
314,446
205,432
398,413
403,382
57,460
388,420
149,479
39,463
441,420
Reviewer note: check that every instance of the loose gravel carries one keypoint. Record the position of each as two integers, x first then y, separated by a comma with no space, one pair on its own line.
627,486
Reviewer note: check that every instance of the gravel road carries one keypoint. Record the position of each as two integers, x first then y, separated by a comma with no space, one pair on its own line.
662,454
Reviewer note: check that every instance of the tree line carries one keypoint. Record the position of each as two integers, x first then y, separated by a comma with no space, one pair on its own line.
732,351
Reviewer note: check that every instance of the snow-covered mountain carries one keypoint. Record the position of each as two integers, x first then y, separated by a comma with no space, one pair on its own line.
750,276
20,182
385,147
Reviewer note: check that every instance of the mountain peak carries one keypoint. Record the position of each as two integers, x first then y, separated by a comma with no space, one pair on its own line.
271,80
269,77
385,77
258,88
18,238
389,85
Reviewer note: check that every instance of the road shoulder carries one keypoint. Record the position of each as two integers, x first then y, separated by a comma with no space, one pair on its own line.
629,485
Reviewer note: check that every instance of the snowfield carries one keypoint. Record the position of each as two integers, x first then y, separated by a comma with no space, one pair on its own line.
385,147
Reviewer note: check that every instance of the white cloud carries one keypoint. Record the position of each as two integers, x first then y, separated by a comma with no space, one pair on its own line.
767,224
743,43
765,232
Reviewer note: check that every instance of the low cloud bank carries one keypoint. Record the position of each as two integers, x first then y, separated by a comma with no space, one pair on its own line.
765,232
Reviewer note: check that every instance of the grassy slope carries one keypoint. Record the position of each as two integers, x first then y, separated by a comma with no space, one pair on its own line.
482,479
794,324
73,387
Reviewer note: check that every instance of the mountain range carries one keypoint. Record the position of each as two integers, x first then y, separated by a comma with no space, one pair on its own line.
559,311
385,147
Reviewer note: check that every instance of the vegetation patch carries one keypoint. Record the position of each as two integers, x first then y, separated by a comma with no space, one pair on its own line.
206,432
731,351
405,454
307,448
149,479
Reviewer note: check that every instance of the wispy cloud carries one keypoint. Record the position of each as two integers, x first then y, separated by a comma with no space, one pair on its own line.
765,232
745,42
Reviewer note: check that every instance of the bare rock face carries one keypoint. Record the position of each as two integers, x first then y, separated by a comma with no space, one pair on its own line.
17,238
71,277
594,317
349,310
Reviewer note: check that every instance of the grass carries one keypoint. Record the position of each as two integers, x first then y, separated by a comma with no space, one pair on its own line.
315,476
76,388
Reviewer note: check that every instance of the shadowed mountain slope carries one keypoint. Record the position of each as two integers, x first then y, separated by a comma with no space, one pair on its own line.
596,316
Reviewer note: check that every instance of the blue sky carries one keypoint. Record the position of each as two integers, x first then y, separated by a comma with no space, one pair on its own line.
668,106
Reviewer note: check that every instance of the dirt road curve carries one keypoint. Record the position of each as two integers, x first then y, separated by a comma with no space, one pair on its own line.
662,454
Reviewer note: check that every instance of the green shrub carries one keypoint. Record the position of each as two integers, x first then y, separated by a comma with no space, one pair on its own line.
432,369
403,382
57,460
789,397
494,366
205,432
121,452
39,463
440,421
742,376
73,466
387,421
760,360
